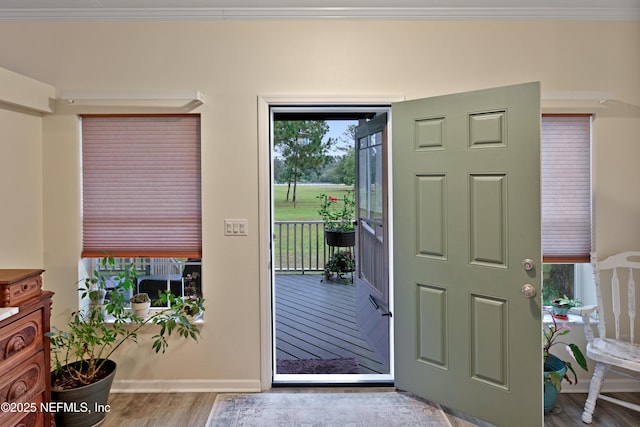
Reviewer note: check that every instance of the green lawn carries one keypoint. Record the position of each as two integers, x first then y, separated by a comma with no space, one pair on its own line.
307,204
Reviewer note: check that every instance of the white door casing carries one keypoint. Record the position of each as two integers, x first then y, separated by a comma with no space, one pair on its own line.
265,102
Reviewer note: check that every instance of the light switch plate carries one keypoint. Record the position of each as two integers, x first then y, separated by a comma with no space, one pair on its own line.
236,227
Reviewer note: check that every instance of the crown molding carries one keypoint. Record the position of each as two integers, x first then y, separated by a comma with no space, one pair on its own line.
322,13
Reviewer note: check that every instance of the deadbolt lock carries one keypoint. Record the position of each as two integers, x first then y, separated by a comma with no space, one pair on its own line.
528,264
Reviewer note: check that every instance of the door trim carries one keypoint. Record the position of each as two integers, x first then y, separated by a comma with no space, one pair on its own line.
265,102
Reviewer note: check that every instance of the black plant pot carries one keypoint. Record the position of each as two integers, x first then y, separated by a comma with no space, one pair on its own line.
341,239
84,406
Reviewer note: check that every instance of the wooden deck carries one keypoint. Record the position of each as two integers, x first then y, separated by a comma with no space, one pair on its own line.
317,319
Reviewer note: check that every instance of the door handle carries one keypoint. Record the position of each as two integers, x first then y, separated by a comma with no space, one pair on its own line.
528,290
373,302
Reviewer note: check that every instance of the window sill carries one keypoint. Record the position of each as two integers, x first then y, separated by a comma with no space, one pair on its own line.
574,319
197,320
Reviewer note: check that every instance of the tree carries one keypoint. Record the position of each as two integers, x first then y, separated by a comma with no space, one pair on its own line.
348,165
345,167
300,144
279,174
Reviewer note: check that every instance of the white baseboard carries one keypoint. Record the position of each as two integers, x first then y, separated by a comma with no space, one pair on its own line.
185,386
613,385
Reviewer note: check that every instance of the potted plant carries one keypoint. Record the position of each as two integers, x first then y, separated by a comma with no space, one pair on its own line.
560,307
338,218
556,369
96,299
340,262
82,371
191,285
192,308
140,305
95,288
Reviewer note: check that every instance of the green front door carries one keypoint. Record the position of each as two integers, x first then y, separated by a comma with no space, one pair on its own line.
466,206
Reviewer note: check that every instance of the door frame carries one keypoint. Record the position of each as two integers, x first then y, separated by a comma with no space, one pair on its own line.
265,177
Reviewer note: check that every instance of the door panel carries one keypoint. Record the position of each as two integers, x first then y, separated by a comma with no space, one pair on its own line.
371,146
466,213
431,205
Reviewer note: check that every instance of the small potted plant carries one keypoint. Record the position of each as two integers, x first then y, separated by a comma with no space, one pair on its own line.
191,309
338,218
140,305
96,299
555,369
340,262
95,288
560,307
191,285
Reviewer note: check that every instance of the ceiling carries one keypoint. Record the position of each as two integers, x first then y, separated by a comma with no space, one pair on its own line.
83,10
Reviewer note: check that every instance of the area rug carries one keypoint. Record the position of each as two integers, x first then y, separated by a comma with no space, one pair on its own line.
325,409
348,365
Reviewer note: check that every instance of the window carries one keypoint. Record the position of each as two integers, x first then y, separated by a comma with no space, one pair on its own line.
566,205
141,199
180,276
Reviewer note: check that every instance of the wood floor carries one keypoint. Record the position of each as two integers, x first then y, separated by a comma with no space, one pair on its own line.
317,319
159,409
192,410
569,406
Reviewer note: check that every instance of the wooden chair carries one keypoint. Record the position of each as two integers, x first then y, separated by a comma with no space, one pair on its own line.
615,348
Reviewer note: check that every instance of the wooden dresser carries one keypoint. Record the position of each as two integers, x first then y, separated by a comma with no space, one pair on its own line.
24,350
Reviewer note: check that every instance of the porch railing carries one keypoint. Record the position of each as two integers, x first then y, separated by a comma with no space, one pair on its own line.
299,246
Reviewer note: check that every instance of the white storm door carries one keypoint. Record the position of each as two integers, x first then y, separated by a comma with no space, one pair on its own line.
466,203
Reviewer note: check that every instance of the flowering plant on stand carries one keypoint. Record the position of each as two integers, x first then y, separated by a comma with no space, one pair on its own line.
336,216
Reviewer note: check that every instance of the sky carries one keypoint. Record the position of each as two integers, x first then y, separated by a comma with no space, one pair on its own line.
337,129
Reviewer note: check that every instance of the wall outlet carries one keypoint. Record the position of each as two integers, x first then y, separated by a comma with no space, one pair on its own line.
236,227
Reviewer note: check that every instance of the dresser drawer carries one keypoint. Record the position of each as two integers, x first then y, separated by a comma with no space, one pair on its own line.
26,381
19,340
18,286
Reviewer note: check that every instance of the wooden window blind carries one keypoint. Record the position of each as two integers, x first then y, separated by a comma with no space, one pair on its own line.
566,188
141,186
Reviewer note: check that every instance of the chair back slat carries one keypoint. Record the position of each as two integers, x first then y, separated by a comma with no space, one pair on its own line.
617,294
632,304
615,300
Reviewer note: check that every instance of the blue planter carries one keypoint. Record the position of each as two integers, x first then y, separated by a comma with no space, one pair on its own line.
551,364
561,310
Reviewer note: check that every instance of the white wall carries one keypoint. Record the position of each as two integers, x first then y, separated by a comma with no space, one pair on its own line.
21,234
22,102
233,63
